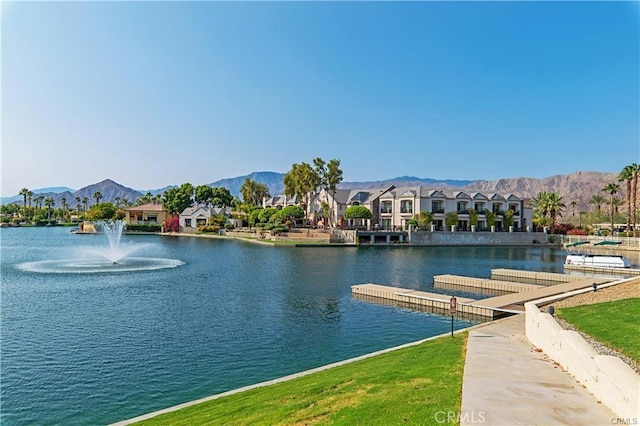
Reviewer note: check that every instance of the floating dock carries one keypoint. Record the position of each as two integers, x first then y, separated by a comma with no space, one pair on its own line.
490,308
531,277
605,271
455,282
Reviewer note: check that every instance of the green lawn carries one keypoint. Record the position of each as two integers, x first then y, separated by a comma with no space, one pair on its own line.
616,324
406,386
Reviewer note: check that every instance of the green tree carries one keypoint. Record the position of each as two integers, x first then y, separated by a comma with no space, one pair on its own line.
612,189
221,197
574,203
85,203
358,212
38,202
203,194
507,218
98,196
49,203
29,198
473,217
24,192
253,192
329,176
547,205
598,201
101,211
626,175
65,206
301,181
450,219
491,218
635,171
291,213
176,199
145,199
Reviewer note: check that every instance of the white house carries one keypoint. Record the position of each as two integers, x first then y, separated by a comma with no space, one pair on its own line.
195,216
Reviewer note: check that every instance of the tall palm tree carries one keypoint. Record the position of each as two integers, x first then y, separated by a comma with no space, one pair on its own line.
573,207
49,203
24,192
38,201
555,205
63,201
626,175
85,202
117,199
598,200
635,170
98,196
29,197
612,188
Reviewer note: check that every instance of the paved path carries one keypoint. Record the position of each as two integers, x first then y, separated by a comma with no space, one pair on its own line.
507,382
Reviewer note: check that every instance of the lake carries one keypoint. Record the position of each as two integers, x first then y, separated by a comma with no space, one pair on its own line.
96,348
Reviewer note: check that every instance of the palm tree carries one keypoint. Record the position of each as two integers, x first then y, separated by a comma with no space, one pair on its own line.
555,205
24,192
85,202
612,189
49,203
626,175
573,207
63,201
635,170
98,196
38,201
598,200
117,200
29,197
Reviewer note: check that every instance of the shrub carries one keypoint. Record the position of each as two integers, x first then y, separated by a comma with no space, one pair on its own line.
147,227
172,224
576,231
208,228
229,226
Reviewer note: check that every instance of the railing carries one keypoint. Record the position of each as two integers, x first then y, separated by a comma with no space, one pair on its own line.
386,211
437,211
406,211
463,211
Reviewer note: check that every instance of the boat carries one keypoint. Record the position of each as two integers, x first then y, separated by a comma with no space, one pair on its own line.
596,260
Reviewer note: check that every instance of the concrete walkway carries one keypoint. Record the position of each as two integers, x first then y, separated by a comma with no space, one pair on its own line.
508,382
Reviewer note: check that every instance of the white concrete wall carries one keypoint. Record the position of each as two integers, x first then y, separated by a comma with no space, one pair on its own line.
477,238
611,380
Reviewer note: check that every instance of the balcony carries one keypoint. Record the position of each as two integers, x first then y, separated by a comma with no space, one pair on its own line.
463,212
386,211
437,211
406,211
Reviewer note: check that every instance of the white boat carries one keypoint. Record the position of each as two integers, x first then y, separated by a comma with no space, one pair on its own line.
596,260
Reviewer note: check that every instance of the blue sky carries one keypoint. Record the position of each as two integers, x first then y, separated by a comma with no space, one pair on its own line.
157,93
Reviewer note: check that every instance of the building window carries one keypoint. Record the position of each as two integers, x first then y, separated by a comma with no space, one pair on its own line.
462,207
406,206
152,218
187,222
386,224
437,207
386,207
479,208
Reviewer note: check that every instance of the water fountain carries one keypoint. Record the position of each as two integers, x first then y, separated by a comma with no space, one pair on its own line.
115,257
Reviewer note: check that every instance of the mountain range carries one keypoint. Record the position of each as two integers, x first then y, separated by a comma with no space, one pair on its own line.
579,186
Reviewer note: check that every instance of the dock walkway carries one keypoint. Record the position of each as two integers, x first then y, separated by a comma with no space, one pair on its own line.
506,381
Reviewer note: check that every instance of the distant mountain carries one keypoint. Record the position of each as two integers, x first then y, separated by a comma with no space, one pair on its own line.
273,180
109,190
579,186
407,181
40,191
157,191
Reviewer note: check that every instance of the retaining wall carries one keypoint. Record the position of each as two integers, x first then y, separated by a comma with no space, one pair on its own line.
611,380
477,238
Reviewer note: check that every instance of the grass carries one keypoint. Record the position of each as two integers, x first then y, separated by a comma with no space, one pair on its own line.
407,386
615,324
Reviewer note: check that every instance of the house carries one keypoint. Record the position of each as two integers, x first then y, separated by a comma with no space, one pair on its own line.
146,213
193,217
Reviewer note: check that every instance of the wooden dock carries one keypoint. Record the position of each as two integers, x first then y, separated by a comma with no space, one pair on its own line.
531,277
630,272
455,282
489,309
